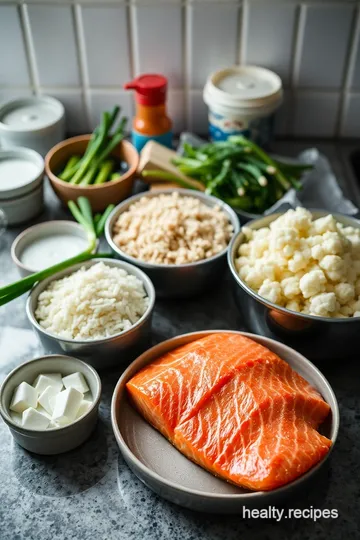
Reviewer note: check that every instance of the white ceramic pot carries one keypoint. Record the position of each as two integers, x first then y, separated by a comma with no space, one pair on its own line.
37,123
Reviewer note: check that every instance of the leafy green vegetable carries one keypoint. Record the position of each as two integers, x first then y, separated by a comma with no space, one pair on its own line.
238,172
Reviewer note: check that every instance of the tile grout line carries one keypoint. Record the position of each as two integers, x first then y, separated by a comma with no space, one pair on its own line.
29,48
82,59
187,64
297,49
354,41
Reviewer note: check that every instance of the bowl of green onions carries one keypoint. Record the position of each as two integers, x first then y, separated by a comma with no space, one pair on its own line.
100,166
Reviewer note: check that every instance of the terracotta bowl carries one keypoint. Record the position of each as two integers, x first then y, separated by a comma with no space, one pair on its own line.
102,195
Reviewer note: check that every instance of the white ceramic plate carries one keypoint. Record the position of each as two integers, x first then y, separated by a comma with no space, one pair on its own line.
170,474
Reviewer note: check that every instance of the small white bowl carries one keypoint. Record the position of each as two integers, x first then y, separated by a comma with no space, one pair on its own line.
37,232
55,440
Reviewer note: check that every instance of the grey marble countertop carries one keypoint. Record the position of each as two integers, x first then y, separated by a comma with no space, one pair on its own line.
90,494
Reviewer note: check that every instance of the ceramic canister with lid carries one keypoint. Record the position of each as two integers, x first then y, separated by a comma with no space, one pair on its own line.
36,122
242,100
21,184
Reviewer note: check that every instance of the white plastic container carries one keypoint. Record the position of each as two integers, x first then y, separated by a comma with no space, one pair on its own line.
242,101
21,184
37,123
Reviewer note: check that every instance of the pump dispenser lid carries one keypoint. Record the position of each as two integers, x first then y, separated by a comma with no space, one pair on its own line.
150,89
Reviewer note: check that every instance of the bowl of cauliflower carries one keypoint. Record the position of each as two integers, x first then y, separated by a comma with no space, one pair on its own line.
297,278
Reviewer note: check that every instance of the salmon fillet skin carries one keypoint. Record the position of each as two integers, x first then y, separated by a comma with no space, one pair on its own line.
236,409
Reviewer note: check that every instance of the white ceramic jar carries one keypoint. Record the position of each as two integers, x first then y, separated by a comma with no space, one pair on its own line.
37,123
21,184
242,100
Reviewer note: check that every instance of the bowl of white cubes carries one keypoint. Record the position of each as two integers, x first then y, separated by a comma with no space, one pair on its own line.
51,403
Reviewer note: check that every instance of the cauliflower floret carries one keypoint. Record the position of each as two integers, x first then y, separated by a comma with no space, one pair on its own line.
258,247
312,283
284,239
267,268
354,246
293,305
255,278
323,304
344,292
299,261
263,232
317,252
271,290
334,267
244,272
290,287
244,250
324,224
247,232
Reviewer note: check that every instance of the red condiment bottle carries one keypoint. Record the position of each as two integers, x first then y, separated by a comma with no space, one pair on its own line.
151,121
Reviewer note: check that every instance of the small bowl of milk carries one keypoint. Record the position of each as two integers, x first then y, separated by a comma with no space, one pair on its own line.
47,244
21,184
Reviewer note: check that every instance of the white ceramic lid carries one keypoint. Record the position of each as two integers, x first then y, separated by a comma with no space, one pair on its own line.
21,171
243,86
30,114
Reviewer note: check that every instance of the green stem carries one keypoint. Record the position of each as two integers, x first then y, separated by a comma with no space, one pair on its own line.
86,211
101,223
88,178
73,161
105,169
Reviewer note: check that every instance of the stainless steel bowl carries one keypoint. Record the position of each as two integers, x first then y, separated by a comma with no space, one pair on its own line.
174,280
116,350
318,338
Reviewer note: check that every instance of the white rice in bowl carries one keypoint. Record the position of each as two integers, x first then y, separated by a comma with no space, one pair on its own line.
92,303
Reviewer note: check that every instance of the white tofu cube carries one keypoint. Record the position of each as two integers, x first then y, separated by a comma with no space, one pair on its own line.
47,399
42,381
25,396
32,419
67,405
77,381
84,407
16,417
43,411
53,424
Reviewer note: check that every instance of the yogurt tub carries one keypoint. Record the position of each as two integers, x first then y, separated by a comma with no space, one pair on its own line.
21,184
37,123
242,101
46,244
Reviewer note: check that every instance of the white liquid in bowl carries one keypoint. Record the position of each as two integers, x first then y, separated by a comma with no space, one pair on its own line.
50,250
16,172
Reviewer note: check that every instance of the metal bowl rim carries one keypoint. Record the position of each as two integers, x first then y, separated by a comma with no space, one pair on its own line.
232,497
234,244
231,214
149,289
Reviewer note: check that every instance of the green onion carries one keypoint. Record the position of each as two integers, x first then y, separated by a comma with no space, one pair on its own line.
105,170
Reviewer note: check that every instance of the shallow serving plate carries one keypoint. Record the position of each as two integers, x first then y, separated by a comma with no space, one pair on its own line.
170,474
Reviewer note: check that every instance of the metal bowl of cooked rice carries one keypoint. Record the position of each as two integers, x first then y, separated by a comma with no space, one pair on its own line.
99,310
178,237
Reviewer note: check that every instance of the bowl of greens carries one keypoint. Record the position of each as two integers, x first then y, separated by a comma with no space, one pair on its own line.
237,171
100,166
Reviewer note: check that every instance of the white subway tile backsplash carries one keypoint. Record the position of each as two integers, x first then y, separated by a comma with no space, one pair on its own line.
264,21
105,100
213,39
198,113
83,51
8,94
52,29
176,110
13,65
315,113
75,112
106,41
158,41
351,123
325,45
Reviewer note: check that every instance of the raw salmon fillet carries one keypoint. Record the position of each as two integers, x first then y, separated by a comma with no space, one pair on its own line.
235,408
